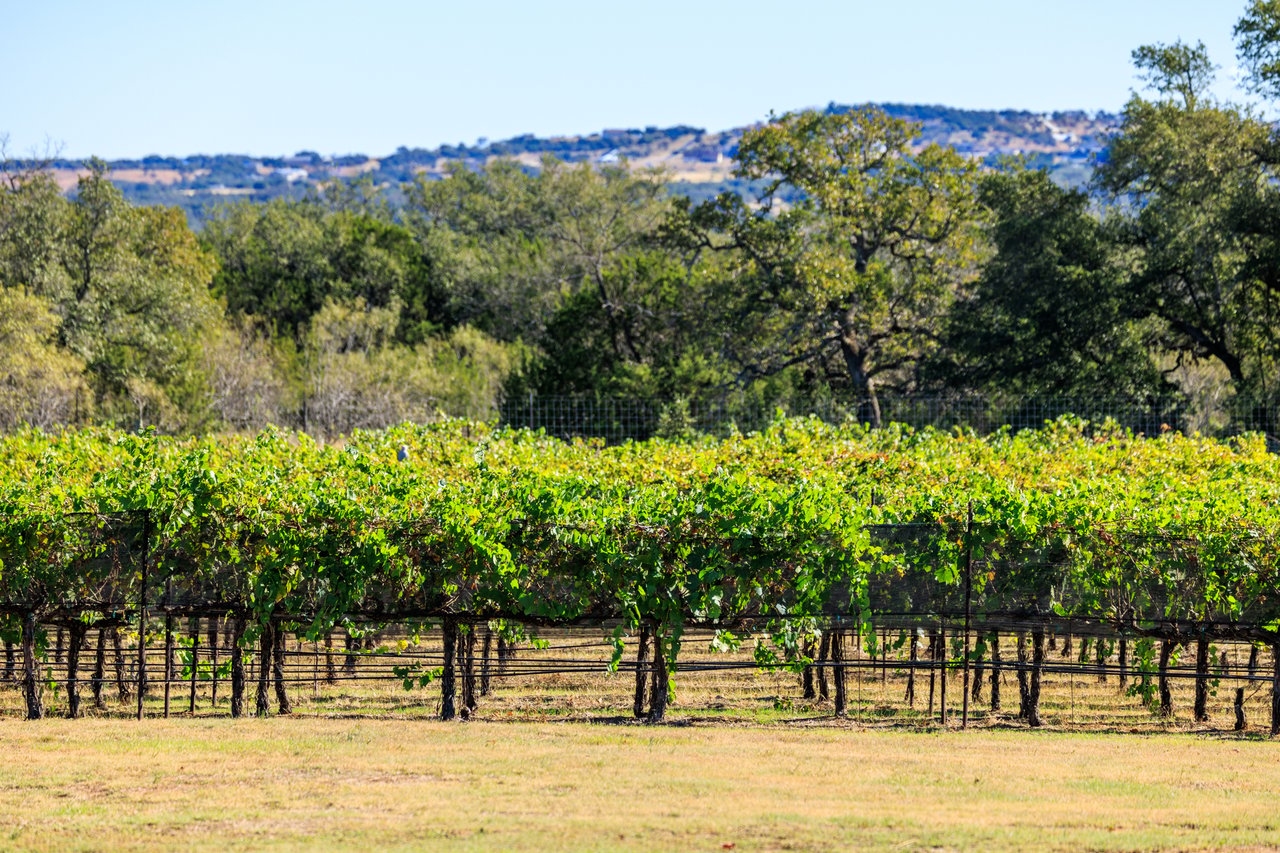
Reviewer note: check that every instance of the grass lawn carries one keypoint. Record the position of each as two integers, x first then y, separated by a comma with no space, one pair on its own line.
359,784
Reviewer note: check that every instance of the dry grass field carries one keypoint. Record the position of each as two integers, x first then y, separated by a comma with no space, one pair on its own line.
554,761
343,784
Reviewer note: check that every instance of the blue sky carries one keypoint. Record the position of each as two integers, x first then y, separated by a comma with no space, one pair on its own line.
128,79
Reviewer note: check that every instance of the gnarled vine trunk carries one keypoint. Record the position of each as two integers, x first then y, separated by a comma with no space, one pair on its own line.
469,703
1166,697
824,653
330,671
978,671
1037,663
283,705
212,636
995,671
1024,680
1202,678
32,689
236,628
78,631
351,646
661,678
99,670
809,649
448,688
837,672
265,654
122,684
642,652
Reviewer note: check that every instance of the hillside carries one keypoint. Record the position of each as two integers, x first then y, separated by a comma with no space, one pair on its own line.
699,162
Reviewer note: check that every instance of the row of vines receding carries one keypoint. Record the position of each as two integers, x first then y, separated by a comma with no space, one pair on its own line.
795,543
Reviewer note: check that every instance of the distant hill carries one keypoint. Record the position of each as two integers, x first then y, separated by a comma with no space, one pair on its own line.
699,162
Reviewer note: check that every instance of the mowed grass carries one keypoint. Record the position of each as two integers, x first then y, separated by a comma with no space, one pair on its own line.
554,761
338,784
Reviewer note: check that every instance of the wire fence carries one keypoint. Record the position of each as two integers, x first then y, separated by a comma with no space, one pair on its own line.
618,419
892,673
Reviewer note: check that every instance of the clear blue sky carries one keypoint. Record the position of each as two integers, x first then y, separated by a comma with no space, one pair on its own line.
127,79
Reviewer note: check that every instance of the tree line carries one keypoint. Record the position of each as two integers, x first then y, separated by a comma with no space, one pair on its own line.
862,263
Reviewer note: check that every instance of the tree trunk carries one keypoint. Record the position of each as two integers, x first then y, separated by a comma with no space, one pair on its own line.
809,649
10,661
1024,681
995,670
1166,698
237,666
824,653
1101,653
31,686
1253,660
1202,678
504,652
58,646
265,654
837,672
642,652
283,705
1240,720
1037,653
78,630
855,361
447,686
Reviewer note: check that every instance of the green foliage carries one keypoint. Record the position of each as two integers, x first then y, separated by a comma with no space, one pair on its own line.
856,276
1257,35
771,527
1049,314
40,384
1189,174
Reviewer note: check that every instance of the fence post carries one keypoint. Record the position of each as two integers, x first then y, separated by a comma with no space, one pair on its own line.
968,610
142,610
195,664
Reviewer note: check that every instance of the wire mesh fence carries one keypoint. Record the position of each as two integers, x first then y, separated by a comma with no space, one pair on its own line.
893,672
617,419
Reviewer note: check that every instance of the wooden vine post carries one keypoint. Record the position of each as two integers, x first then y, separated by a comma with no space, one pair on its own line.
968,611
1275,687
195,665
142,611
944,662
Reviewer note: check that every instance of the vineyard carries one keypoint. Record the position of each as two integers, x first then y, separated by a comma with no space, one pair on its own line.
458,557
